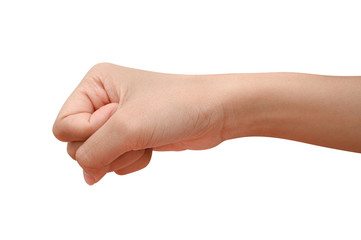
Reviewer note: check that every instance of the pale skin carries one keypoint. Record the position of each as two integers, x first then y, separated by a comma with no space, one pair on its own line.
117,116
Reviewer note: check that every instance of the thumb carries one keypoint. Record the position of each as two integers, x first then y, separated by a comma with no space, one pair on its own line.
113,139
100,116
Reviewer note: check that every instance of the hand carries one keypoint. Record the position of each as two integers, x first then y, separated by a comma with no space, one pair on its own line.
117,116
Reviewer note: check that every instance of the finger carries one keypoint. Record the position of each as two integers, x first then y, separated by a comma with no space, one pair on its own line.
112,140
121,162
138,165
72,147
92,178
92,175
125,160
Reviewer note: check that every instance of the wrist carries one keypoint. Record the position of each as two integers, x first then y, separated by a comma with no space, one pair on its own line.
239,104
246,103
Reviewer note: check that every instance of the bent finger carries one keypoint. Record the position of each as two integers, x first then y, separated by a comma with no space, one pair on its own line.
72,147
93,175
125,160
138,165
112,140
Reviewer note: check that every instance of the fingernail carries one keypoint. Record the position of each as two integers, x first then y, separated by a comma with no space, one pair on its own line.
90,180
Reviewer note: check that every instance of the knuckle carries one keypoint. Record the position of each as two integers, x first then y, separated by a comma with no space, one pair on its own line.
70,150
100,67
59,132
97,72
83,159
87,162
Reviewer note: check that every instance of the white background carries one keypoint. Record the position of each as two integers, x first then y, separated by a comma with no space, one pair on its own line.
250,188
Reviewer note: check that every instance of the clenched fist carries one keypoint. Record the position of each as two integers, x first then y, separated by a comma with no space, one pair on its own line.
117,116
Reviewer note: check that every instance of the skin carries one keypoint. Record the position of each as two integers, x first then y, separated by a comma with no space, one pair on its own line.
117,116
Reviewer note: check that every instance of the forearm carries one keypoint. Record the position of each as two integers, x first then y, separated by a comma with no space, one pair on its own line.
321,110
